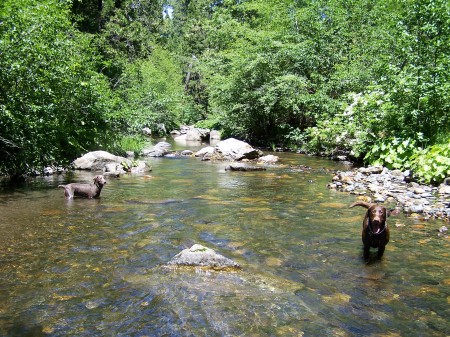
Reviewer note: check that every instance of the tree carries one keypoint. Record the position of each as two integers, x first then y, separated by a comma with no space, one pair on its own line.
53,104
151,93
418,87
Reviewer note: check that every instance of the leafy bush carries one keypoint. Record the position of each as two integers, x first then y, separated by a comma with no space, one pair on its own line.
393,153
354,130
151,93
133,143
432,165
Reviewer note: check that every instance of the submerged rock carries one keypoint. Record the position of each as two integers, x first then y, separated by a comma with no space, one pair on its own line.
200,256
244,168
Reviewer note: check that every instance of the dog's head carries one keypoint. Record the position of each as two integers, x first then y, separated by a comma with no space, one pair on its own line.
376,215
99,180
377,218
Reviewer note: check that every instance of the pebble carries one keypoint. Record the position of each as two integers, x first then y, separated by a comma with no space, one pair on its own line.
386,185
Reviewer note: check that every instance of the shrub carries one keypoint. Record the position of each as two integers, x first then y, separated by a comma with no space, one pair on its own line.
432,165
133,143
393,153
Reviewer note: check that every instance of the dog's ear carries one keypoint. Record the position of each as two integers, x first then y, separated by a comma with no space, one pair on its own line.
361,203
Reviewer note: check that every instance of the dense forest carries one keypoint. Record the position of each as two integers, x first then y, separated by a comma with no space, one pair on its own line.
369,78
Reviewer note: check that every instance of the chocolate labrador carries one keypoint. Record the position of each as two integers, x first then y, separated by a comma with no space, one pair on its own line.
90,191
375,231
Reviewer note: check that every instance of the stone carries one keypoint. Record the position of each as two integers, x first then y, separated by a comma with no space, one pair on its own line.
204,151
235,150
244,168
194,135
203,257
349,188
371,169
191,133
444,189
214,135
187,153
347,180
97,161
388,186
269,159
419,190
147,131
159,150
111,167
48,171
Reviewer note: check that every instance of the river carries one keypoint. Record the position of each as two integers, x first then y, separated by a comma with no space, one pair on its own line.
94,267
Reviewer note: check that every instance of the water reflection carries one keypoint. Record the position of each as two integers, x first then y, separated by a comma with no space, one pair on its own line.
93,267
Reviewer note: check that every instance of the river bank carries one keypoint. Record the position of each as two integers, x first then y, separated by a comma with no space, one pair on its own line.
374,184
381,185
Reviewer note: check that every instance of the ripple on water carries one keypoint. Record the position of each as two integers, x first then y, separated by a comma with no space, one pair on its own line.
92,267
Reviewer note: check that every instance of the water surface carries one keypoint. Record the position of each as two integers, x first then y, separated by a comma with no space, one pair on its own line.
93,267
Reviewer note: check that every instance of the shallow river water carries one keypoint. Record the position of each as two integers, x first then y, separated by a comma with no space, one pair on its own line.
94,267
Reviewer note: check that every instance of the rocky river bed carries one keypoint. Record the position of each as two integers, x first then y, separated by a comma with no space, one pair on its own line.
381,185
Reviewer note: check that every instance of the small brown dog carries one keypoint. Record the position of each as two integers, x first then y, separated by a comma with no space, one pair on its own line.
90,191
375,231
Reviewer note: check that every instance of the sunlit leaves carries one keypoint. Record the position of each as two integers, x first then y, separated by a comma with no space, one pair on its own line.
53,101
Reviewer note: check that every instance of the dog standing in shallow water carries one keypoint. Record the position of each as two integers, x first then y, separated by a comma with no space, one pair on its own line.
90,191
375,231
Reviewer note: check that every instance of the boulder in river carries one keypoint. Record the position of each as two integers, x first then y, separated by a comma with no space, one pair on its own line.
191,133
161,149
110,164
214,135
200,256
97,161
269,159
232,149
205,153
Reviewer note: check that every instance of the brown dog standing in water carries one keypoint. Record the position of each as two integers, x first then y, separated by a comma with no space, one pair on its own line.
90,191
375,231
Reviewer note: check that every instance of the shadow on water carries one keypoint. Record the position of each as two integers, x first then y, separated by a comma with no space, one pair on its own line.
24,330
96,267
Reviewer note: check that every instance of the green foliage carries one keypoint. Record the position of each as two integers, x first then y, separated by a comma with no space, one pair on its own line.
151,94
392,153
127,32
128,166
261,97
135,143
432,165
429,165
74,73
53,104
